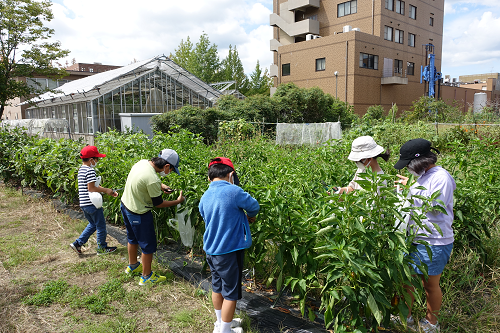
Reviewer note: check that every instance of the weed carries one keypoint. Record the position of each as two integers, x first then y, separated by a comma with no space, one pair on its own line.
51,292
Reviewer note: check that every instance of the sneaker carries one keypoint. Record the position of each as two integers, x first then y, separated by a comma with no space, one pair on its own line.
153,279
137,270
77,248
106,250
427,327
235,323
410,322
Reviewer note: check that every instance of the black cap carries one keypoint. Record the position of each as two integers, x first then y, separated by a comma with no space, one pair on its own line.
411,150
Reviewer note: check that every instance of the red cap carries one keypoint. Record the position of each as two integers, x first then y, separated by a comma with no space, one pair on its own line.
90,151
225,161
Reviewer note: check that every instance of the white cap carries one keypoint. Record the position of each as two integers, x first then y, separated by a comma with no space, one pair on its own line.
364,147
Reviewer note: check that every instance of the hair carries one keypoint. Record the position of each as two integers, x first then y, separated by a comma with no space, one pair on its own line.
219,170
421,163
160,162
88,159
385,155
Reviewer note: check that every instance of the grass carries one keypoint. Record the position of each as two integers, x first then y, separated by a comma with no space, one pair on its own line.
46,287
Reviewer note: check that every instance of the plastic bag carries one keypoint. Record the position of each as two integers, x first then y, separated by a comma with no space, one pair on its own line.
96,197
182,223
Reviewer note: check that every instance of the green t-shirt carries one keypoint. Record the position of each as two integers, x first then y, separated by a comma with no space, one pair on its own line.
142,184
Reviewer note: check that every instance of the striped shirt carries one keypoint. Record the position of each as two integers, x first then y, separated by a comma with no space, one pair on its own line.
86,175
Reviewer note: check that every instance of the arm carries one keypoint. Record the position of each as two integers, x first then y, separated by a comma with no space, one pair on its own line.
92,188
165,203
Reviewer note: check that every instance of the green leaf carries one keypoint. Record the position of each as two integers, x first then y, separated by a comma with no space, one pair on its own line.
372,304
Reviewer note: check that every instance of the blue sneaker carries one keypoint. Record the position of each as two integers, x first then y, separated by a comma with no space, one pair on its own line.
153,279
135,271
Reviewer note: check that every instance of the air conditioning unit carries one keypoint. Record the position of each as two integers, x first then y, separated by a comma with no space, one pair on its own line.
347,28
309,36
356,29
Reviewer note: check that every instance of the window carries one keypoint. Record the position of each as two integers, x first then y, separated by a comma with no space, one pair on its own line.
320,64
285,69
410,68
389,4
346,8
368,61
388,33
411,39
399,36
91,70
398,66
413,12
400,7
431,21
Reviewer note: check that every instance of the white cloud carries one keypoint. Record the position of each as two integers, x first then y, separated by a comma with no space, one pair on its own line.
472,41
117,32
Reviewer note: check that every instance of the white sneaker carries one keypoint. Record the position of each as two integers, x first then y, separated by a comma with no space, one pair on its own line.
427,327
235,323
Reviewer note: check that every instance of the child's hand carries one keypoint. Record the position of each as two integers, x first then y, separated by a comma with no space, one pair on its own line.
181,198
250,219
113,193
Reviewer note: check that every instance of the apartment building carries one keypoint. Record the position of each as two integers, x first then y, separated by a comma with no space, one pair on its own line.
360,51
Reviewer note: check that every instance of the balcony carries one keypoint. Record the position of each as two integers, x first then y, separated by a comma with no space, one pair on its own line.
302,4
394,80
273,70
295,29
274,44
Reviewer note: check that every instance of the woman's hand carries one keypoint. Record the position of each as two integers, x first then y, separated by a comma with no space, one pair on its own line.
403,180
181,198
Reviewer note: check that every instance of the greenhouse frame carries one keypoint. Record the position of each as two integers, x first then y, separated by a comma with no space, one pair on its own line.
93,104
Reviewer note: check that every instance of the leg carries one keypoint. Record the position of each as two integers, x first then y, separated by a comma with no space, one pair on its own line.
89,212
410,290
228,308
100,223
147,259
132,253
217,300
434,297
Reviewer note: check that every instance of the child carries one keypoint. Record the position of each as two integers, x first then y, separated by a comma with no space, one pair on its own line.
86,183
227,235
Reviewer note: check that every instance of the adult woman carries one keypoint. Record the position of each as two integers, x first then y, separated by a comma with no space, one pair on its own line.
417,157
364,151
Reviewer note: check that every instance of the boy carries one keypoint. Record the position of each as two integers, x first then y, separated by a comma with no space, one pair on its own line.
143,191
227,235
86,183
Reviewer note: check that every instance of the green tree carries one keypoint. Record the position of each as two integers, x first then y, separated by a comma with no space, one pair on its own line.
232,70
205,61
24,51
260,82
183,55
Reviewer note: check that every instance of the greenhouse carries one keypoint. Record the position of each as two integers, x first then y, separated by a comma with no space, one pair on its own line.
93,104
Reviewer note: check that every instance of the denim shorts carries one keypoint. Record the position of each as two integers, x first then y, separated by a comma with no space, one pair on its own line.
140,229
440,256
227,273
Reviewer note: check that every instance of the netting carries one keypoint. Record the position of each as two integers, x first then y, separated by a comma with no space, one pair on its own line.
39,126
308,133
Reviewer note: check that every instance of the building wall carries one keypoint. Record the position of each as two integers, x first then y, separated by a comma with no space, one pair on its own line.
91,68
358,86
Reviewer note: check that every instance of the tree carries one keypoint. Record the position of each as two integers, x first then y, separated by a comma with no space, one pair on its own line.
205,60
183,55
260,82
232,70
22,28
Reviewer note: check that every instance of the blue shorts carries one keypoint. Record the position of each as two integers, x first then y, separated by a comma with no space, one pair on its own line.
440,256
140,229
227,272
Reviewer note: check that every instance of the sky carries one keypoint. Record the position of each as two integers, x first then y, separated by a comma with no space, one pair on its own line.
117,32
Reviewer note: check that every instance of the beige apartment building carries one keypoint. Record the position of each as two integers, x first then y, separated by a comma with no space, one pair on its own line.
363,52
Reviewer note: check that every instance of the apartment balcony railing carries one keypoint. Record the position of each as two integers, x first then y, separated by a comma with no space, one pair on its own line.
273,70
300,28
302,4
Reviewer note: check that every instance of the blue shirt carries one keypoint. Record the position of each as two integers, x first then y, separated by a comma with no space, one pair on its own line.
223,208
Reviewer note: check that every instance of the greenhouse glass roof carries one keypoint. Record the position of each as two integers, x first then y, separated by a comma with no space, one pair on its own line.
93,86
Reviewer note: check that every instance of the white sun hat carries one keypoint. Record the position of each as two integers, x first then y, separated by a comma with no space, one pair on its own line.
364,147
